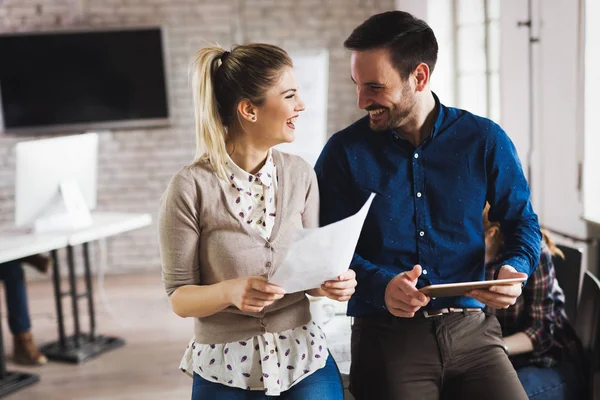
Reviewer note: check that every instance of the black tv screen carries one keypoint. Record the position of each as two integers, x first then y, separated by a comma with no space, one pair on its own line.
82,80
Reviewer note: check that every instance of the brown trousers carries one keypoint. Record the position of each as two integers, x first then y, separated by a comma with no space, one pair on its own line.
452,356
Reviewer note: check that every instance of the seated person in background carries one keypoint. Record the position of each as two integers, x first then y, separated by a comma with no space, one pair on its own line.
541,344
13,276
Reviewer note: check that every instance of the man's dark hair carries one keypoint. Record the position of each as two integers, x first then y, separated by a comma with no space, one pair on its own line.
409,40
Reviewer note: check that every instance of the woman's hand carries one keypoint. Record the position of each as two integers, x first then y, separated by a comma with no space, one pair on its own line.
253,293
340,289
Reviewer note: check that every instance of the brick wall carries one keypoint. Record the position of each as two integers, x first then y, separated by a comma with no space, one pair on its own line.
135,165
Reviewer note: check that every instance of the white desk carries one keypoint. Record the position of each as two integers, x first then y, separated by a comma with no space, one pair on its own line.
108,224
79,346
105,224
21,246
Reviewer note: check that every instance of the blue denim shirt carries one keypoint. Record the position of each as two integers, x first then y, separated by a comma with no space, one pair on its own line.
429,203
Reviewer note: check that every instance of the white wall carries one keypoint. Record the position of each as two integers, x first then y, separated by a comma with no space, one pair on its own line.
591,183
558,117
418,8
560,130
557,140
311,69
439,18
514,80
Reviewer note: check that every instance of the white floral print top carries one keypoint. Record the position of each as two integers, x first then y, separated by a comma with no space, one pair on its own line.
272,362
253,197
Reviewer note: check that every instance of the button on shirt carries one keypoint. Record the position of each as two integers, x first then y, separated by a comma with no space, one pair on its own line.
429,203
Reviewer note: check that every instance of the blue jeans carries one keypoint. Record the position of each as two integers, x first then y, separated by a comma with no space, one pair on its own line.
16,296
324,384
556,383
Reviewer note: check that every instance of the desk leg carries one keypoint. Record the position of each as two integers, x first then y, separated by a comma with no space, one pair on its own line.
11,381
81,346
90,295
74,296
57,298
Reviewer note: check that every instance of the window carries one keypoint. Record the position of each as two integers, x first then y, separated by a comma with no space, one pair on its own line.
468,71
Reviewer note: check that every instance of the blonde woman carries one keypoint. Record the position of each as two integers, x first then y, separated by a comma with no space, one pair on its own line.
226,222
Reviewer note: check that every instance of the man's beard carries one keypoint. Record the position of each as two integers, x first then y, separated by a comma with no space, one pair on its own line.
395,119
397,115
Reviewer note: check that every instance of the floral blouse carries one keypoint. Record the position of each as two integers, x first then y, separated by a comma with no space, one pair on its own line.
271,362
253,196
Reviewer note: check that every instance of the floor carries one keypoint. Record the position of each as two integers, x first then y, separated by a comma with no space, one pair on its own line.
135,308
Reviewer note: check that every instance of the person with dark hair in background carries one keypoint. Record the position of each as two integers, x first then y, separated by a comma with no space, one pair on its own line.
15,288
226,222
539,340
433,168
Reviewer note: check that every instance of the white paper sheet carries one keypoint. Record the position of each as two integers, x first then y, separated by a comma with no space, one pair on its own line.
320,254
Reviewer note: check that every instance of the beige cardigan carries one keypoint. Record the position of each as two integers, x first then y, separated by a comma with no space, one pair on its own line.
203,242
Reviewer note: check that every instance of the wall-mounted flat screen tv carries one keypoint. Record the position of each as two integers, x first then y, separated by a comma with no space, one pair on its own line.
82,80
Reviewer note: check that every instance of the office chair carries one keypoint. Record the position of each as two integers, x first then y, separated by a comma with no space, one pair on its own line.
588,327
568,272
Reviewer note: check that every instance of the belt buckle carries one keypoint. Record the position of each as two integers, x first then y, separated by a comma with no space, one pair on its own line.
427,314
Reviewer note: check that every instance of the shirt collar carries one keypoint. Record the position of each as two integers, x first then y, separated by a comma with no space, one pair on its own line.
436,125
241,177
440,116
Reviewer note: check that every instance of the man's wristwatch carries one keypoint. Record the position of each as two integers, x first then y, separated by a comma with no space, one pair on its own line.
505,347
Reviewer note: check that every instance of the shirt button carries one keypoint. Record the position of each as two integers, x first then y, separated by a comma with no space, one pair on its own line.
419,194
416,155
421,233
268,245
424,272
268,264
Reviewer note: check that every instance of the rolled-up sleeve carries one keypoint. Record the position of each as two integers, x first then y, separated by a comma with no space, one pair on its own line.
179,233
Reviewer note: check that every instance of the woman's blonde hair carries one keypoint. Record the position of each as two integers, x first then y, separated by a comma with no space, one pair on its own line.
220,80
499,237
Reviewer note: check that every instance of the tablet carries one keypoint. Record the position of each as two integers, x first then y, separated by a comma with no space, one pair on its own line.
459,289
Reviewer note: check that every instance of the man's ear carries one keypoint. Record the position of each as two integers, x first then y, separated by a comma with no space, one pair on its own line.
247,110
421,75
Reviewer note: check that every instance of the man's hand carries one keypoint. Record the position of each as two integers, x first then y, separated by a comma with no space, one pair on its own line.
500,296
402,298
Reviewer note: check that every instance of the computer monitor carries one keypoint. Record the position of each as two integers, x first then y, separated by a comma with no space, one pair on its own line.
56,182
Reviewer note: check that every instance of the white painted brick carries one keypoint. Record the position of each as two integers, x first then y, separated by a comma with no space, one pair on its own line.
102,9
57,8
22,11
